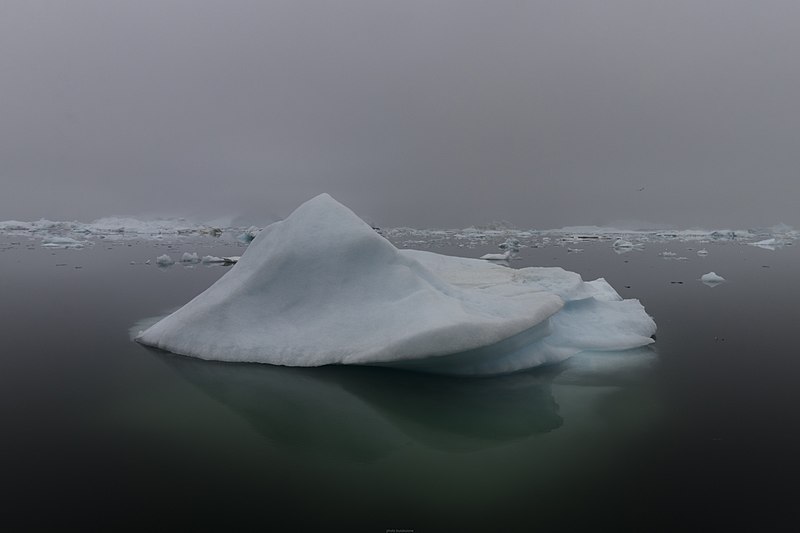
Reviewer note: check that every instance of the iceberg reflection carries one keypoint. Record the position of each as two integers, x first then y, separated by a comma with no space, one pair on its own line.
364,413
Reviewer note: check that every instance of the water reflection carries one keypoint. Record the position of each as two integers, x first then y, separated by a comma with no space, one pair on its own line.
364,413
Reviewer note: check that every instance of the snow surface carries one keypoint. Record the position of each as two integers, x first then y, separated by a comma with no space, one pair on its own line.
322,287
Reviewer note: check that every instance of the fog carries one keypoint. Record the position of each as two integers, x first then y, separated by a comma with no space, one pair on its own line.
416,113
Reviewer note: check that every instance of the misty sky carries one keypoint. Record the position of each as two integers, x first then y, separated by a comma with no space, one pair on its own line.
419,113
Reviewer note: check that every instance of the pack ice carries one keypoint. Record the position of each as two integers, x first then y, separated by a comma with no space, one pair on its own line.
322,287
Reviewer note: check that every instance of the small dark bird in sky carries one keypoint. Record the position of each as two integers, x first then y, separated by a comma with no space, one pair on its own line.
640,189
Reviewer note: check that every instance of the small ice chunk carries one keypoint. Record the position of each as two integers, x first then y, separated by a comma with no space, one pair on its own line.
232,259
164,260
768,244
212,259
190,257
61,242
702,253
712,279
497,257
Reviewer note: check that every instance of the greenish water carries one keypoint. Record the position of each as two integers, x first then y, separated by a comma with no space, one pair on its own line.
99,431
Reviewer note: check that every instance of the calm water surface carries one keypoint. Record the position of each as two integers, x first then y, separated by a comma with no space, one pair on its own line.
99,431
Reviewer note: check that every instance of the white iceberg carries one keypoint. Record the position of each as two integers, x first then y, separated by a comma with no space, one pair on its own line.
190,257
322,287
712,279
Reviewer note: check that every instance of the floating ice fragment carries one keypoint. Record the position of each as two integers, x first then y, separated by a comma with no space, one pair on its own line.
322,287
623,246
702,253
61,242
712,279
164,260
189,257
505,256
768,244
510,244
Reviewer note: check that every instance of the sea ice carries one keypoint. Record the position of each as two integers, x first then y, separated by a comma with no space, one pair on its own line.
190,257
322,287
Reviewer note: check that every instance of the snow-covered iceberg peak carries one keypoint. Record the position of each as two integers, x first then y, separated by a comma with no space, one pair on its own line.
322,287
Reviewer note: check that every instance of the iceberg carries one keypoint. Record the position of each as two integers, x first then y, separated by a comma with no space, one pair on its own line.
164,260
322,287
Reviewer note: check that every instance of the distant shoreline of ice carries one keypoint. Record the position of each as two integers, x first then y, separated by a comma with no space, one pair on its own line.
77,234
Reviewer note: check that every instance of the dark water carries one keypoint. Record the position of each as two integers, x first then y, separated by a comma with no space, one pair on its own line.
100,432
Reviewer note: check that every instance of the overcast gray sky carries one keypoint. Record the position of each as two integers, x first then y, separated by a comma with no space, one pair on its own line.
420,113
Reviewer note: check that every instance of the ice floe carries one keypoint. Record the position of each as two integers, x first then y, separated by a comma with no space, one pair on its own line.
323,287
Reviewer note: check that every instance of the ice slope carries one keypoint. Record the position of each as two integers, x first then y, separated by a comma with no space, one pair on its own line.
322,287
